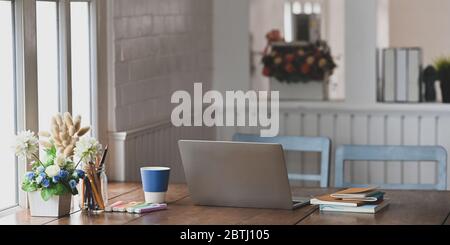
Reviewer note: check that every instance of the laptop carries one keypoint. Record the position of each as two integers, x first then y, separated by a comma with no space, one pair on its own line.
237,174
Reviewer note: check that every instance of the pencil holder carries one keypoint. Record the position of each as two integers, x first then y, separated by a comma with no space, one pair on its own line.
94,189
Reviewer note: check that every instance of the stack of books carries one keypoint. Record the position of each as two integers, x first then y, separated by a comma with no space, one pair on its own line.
356,200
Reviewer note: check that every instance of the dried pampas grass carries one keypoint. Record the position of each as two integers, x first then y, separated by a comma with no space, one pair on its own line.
65,133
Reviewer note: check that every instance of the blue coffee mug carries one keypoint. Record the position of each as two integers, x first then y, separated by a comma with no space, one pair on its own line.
155,181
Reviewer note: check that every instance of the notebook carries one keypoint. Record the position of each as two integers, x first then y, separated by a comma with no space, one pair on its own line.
328,200
355,192
370,194
368,208
352,197
369,197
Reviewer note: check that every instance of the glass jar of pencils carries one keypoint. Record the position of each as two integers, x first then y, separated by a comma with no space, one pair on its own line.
94,189
104,184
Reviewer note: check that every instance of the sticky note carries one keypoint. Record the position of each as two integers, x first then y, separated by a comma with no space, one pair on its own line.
151,208
132,208
110,207
123,207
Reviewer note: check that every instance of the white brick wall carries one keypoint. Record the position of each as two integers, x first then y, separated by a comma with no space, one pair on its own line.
160,46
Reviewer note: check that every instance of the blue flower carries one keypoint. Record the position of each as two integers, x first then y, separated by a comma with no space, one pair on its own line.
63,174
30,176
56,179
41,177
73,184
45,183
80,173
40,169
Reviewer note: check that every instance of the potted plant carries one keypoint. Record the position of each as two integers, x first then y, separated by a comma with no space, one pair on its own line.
442,66
292,66
54,176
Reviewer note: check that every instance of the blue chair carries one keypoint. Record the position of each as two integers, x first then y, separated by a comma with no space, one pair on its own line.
295,143
392,153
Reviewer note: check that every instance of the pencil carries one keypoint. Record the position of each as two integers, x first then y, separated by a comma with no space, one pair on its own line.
82,194
93,180
102,161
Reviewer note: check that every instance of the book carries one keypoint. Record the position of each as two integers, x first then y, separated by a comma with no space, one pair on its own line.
367,197
351,197
401,81
368,208
375,197
328,200
388,75
363,192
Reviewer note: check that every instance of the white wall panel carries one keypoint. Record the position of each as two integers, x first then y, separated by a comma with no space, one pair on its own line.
376,137
428,137
359,169
393,137
410,137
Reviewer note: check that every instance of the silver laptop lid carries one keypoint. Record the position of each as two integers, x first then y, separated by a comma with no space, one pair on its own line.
236,174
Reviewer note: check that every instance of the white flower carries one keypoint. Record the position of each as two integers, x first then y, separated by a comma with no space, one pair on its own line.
87,148
60,160
52,170
27,145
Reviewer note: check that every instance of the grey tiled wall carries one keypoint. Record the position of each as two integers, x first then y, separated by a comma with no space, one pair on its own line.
160,46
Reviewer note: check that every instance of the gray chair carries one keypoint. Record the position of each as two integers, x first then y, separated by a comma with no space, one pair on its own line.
302,144
392,153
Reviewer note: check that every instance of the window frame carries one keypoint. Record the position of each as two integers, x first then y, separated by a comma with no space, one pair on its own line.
323,16
93,62
26,79
17,120
61,72
15,109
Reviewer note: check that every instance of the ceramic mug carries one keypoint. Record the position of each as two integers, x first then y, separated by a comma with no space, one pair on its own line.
155,181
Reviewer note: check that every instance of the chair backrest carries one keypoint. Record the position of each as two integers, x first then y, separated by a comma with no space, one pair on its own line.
392,153
302,144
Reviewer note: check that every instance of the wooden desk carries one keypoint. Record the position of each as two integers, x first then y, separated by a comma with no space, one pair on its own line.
407,207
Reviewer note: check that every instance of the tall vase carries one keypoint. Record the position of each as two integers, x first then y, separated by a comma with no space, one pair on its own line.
57,206
445,88
444,77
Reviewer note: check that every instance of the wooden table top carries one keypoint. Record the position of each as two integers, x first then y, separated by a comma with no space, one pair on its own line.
407,207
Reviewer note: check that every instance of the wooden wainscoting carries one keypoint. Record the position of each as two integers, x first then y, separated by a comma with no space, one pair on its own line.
155,145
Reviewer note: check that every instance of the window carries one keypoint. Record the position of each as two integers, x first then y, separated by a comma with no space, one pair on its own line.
303,20
7,107
81,60
58,47
49,46
47,61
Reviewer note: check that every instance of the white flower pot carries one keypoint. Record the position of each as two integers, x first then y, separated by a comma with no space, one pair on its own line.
313,90
57,206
